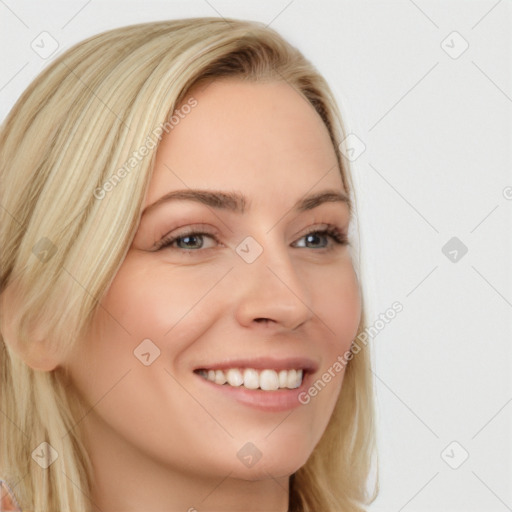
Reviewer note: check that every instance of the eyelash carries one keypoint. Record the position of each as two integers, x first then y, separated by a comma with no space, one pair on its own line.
337,236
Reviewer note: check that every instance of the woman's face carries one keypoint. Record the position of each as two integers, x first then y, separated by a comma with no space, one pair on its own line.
254,285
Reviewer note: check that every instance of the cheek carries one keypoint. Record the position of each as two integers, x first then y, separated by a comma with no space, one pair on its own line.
150,299
165,306
146,301
338,304
339,307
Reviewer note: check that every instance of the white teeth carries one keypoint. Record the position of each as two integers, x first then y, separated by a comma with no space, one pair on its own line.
292,379
234,377
267,380
283,378
220,378
251,379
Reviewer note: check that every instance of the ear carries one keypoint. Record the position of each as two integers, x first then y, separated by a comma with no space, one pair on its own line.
37,353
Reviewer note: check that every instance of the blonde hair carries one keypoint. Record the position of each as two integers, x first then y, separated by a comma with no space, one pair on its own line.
70,132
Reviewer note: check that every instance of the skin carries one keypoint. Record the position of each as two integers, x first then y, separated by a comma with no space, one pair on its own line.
159,439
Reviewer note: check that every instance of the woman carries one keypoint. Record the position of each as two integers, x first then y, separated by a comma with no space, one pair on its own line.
179,297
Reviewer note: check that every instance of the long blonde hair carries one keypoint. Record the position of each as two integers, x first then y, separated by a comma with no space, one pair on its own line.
70,132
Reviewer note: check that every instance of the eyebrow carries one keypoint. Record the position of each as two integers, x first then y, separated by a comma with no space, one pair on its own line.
237,202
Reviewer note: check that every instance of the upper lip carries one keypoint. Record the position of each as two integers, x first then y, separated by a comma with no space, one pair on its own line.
262,363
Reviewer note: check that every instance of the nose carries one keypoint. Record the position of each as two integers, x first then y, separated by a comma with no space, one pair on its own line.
269,291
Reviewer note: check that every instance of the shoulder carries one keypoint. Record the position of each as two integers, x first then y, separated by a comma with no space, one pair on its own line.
8,502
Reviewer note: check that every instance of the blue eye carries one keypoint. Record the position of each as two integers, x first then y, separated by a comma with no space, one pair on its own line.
331,232
193,241
189,240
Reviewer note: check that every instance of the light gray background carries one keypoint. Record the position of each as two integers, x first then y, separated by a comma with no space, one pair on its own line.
436,128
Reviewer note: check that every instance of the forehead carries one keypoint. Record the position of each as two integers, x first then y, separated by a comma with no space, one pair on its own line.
249,136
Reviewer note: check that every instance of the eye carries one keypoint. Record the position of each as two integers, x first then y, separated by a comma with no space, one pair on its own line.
332,232
192,241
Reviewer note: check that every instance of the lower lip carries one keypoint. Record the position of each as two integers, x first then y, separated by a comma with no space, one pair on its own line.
272,401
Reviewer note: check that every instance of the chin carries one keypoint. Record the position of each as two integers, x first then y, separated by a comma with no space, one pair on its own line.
265,470
275,457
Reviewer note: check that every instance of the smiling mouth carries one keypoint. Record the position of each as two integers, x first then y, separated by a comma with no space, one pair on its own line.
250,378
